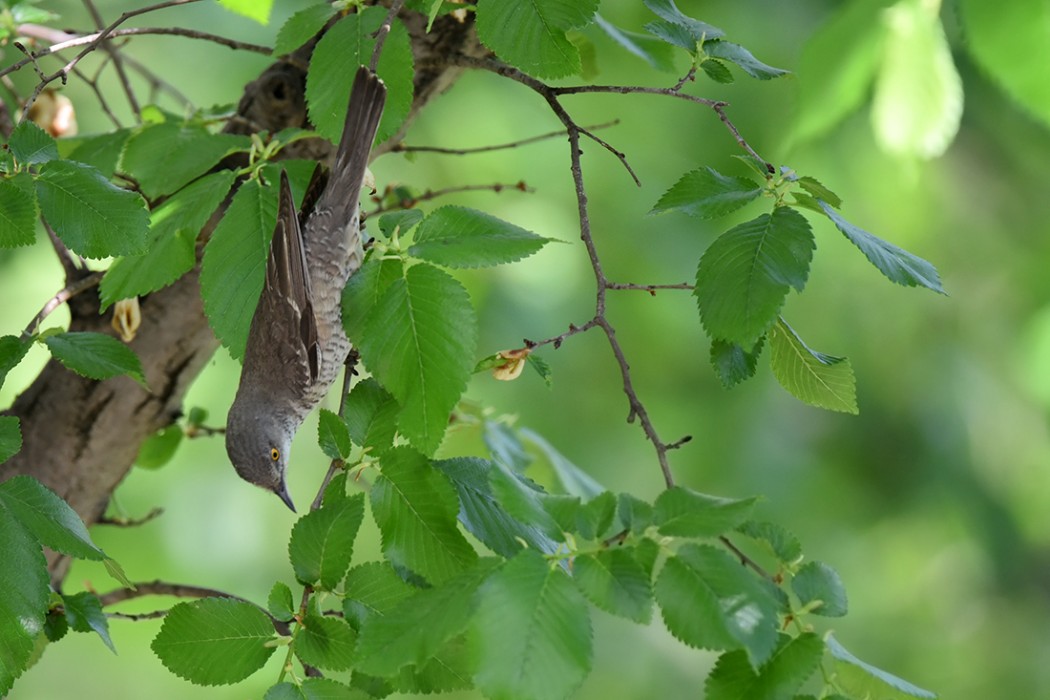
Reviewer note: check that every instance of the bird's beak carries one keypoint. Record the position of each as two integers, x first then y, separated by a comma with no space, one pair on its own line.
282,493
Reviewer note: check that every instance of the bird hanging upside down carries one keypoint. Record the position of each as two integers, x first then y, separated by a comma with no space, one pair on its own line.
296,343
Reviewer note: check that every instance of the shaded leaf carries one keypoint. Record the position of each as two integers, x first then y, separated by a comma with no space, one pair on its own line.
31,145
334,62
653,51
373,589
25,583
708,600
784,545
95,355
301,27
816,581
51,520
159,448
794,661
706,193
163,158
614,581
743,58
322,542
531,35
732,363
84,613
415,508
280,603
325,642
745,275
333,435
18,211
681,512
10,437
371,415
92,216
549,653
234,264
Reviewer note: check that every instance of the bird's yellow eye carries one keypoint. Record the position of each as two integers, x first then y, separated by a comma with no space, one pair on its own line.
275,454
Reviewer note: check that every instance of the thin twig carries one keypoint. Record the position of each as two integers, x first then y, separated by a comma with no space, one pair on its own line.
131,522
349,372
409,202
118,61
744,559
71,264
651,288
382,32
401,148
177,590
619,154
557,340
62,297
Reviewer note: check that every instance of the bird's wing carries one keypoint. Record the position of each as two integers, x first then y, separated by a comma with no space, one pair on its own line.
287,329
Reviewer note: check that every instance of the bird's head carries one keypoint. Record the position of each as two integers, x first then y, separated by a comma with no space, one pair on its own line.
258,446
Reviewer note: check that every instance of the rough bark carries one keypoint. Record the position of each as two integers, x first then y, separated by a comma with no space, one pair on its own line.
80,437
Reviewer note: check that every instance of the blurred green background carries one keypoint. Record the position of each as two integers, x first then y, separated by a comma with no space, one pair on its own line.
932,503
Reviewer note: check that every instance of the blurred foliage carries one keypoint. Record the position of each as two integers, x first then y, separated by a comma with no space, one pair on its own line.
930,504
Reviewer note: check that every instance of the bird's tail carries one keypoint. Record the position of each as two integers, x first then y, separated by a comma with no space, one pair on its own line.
367,98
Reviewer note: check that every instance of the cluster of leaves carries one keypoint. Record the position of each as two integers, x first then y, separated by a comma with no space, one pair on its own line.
746,274
438,616
31,614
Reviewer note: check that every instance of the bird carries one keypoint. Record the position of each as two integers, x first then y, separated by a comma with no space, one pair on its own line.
296,344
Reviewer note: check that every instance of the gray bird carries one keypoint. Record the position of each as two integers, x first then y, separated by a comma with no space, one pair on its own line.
296,344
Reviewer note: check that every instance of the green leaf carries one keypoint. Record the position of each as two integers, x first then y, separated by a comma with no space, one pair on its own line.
159,448
163,158
419,342
744,276
526,502
400,222
373,589
371,415
743,58
837,66
48,517
573,479
101,151
614,581
732,363
214,641
414,628
818,190
595,517
863,680
415,508
697,30
322,542
12,350
484,516
95,355
284,691
18,211
542,368
792,663
784,545
504,444
31,145
235,263
707,193
653,51
325,642
918,101
364,289
897,264
84,613
450,668
680,512
717,71
811,377
92,216
174,227
280,603
26,589
10,437
344,47
460,237
301,27
258,10
1010,42
635,514
332,435
531,35
708,600
548,653
816,582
